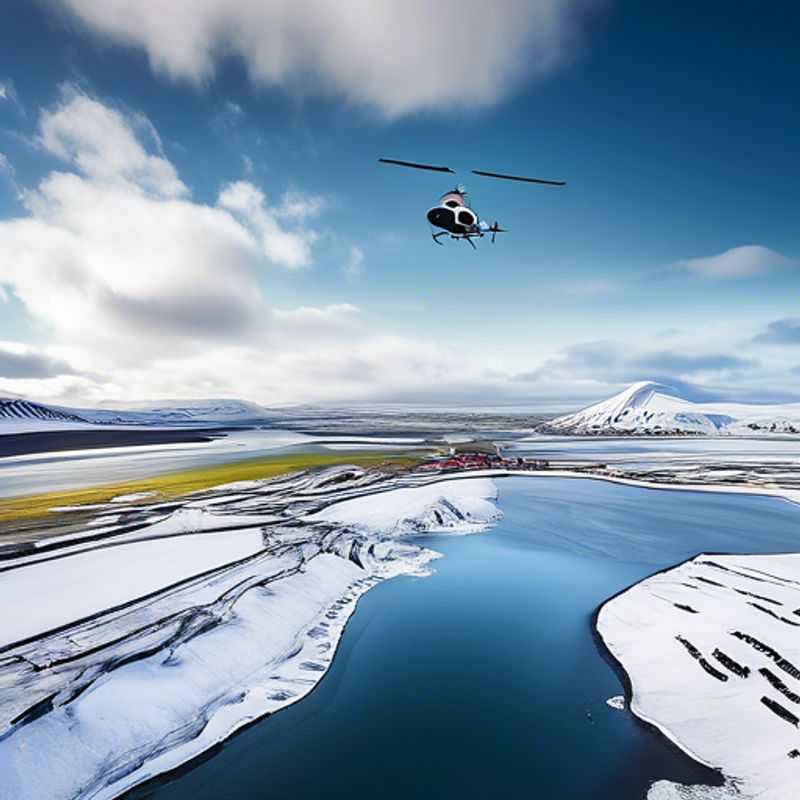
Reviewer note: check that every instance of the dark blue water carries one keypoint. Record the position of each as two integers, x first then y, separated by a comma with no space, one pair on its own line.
476,682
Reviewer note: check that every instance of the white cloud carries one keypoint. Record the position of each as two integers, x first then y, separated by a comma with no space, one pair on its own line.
116,256
355,262
145,292
18,360
738,262
7,171
248,204
103,145
298,206
234,109
8,94
396,57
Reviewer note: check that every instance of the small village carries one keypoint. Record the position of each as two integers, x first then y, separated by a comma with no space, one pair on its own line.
477,456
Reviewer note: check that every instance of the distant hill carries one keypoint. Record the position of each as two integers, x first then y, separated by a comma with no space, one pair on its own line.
18,415
649,408
165,412
14,409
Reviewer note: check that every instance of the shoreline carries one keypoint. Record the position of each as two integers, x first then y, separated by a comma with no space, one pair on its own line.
790,495
647,724
625,636
629,691
181,763
241,715
326,565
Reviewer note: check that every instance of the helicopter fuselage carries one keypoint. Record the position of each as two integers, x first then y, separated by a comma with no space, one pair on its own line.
454,216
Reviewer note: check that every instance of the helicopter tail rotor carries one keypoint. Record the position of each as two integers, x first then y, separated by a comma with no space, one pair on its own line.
495,228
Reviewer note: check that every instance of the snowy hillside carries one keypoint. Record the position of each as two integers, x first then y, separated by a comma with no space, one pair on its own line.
648,408
175,412
15,411
18,415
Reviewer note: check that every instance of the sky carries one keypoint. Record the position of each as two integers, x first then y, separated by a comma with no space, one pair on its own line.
191,203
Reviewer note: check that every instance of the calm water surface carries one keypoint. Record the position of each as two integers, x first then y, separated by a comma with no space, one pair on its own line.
484,680
656,450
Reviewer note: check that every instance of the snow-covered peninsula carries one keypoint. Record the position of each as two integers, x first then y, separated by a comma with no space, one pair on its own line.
200,620
712,651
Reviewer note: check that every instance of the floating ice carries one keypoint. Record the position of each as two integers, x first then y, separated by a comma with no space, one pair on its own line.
617,702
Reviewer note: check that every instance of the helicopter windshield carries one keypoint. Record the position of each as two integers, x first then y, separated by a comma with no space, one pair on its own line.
455,199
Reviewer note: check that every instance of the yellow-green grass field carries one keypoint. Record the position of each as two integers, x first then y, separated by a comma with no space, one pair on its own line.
175,484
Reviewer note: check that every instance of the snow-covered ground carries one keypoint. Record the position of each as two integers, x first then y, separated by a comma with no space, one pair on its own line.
86,583
462,506
157,632
712,650
146,641
648,408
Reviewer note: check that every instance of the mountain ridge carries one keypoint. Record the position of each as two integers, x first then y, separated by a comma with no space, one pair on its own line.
20,415
647,408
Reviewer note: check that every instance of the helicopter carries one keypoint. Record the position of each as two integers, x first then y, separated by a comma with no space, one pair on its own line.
453,215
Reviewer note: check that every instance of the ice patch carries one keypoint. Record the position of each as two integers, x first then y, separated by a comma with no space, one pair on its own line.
617,702
132,497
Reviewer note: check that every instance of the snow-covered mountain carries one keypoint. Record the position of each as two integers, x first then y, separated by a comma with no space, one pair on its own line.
18,415
648,408
16,410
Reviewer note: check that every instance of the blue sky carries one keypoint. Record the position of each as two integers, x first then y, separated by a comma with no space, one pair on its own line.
254,247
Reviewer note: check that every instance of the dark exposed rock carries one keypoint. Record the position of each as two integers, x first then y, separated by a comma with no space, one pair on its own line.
779,710
779,685
734,666
698,656
771,652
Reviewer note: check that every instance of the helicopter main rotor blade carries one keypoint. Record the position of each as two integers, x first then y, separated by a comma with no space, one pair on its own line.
517,178
429,167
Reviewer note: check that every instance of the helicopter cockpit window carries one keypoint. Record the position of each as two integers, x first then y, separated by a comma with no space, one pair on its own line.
451,204
466,218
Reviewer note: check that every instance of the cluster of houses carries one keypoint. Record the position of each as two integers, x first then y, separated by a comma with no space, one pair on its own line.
460,461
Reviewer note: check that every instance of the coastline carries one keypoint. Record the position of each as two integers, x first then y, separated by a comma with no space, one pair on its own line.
175,760
231,717
790,495
719,723
716,777
271,630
